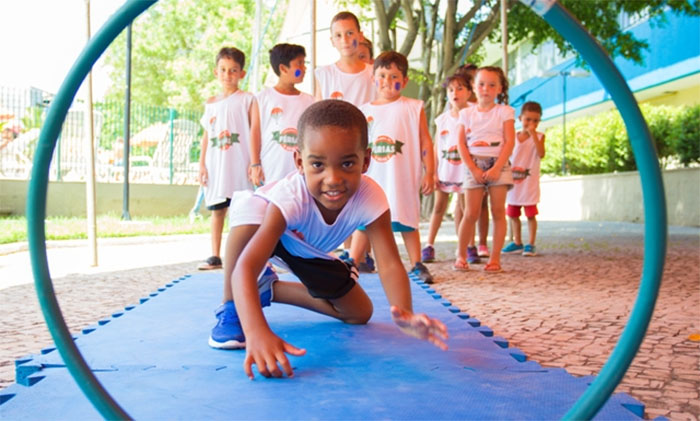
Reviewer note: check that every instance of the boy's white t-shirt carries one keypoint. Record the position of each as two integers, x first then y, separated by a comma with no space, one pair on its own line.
394,135
484,129
355,88
525,164
450,169
279,118
228,156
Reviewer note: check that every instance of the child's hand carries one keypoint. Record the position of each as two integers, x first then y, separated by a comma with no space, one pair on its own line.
420,326
267,351
256,176
203,176
477,173
492,174
427,185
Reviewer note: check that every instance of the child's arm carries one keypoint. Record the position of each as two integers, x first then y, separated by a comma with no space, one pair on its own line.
255,171
493,173
396,286
539,144
203,174
319,94
465,155
263,347
428,156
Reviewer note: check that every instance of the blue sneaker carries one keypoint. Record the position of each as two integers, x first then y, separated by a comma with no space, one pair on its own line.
422,273
367,266
428,254
473,255
228,332
512,248
529,250
344,255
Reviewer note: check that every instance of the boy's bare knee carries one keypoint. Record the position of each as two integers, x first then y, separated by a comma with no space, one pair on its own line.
359,317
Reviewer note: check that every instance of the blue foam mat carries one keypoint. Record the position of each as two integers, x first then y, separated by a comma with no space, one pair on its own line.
155,361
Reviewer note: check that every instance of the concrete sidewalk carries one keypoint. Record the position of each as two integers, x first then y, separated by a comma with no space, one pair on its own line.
564,308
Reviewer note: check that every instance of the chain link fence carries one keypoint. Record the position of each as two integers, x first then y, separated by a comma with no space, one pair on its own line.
163,147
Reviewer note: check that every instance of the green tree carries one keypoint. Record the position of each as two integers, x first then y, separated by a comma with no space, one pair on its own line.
174,44
454,36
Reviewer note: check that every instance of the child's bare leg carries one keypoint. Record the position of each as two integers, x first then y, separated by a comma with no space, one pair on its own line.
218,216
498,213
532,229
459,211
441,199
237,239
412,241
359,246
472,208
516,231
484,221
355,307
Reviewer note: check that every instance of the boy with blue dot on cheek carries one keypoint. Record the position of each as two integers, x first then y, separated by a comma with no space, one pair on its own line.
280,109
400,143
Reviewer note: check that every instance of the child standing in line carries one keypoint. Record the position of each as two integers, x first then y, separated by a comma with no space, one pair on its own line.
527,154
350,78
400,141
299,220
280,108
231,135
450,169
486,136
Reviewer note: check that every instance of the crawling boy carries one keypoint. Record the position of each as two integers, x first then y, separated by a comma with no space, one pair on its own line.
299,220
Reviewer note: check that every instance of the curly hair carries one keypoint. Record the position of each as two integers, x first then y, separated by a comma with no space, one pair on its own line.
333,112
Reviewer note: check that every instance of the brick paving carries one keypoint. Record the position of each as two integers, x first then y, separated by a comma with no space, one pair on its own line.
564,308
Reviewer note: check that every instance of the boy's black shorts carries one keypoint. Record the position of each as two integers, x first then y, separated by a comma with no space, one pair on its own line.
328,279
223,205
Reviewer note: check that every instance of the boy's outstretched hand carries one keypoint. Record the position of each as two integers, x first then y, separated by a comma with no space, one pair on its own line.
266,352
421,326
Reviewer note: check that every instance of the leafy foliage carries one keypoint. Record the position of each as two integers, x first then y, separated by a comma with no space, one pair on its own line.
174,45
600,144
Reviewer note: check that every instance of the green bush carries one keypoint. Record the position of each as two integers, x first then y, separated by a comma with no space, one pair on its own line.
600,144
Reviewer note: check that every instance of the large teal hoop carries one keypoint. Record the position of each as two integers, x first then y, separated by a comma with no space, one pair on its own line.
652,187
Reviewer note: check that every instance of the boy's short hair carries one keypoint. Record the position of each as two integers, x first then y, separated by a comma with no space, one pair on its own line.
333,112
367,43
346,16
387,58
232,53
531,106
284,54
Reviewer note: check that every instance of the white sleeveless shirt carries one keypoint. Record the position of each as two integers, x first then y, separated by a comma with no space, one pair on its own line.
228,155
355,88
484,129
279,117
450,169
394,135
525,164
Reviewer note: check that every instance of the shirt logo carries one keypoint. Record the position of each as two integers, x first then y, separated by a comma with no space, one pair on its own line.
337,95
225,140
520,174
451,155
287,138
276,113
385,147
444,134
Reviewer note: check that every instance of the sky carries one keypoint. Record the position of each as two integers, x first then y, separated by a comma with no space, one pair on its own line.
41,39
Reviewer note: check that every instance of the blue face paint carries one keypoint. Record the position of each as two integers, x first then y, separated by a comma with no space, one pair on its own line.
397,86
297,73
354,43
376,83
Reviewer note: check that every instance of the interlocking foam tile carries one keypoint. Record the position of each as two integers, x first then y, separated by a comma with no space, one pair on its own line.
154,360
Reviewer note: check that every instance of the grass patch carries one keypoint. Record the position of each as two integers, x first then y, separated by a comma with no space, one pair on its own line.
14,228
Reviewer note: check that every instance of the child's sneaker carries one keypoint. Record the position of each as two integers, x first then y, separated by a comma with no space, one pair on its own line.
228,332
213,262
472,255
367,266
483,251
428,254
344,255
422,273
512,248
529,250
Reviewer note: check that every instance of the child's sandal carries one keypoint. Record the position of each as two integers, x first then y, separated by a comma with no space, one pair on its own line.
460,265
493,268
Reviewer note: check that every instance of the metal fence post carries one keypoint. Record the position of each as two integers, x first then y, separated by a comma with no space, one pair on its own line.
173,115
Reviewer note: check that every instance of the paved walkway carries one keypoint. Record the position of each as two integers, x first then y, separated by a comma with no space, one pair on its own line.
564,308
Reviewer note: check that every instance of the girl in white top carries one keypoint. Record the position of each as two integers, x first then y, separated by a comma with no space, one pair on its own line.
450,169
486,136
349,79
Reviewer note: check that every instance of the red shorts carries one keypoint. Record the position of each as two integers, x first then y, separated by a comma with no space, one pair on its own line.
513,211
